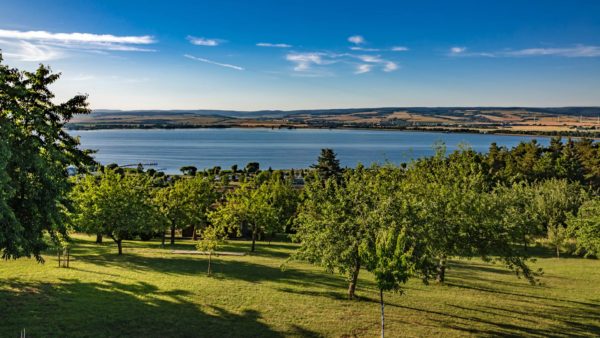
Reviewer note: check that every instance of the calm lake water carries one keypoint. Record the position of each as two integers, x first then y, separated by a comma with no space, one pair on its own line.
280,149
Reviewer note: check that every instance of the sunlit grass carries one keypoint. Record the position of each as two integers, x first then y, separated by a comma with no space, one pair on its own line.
150,292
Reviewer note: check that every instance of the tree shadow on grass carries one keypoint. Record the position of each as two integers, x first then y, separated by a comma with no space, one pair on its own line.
111,309
222,269
515,313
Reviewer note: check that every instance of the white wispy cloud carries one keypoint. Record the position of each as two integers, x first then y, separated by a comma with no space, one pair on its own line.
572,52
75,37
387,65
213,62
399,49
457,50
390,66
315,63
27,51
577,51
357,39
363,49
274,45
204,41
305,61
363,68
45,46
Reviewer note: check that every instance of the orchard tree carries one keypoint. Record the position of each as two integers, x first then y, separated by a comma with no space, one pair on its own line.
117,206
186,203
554,202
332,222
585,228
35,151
248,207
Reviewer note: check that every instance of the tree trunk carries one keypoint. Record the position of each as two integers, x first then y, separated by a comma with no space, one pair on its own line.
164,234
557,251
253,241
382,314
120,246
172,235
194,232
209,260
98,238
353,280
441,270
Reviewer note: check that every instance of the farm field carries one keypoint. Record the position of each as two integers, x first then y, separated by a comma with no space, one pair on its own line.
151,292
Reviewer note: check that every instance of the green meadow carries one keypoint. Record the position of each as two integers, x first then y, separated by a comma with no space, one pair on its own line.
151,292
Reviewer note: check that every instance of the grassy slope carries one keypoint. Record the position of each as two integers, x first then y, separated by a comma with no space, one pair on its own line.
150,292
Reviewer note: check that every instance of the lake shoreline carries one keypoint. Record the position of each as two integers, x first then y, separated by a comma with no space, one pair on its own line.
549,134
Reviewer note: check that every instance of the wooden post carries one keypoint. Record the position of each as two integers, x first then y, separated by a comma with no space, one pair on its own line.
382,314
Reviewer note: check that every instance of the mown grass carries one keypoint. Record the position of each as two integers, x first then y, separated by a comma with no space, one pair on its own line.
150,292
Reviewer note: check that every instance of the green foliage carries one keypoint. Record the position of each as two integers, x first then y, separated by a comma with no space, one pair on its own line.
262,206
210,240
553,203
189,170
34,154
252,167
186,202
327,165
586,228
114,205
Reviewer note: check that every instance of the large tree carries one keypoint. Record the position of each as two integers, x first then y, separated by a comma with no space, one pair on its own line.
115,205
334,219
35,151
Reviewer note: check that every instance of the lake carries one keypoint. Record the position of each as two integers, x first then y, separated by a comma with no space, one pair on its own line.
280,149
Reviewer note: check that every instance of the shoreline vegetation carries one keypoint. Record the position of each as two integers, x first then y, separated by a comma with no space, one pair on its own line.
574,134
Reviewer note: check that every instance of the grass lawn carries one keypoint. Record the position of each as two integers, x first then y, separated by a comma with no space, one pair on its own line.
150,292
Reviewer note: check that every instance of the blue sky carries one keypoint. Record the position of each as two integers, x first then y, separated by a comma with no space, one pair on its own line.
251,55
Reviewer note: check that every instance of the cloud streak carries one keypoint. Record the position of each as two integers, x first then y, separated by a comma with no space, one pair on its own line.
273,45
46,46
577,51
204,41
75,37
226,65
357,39
315,63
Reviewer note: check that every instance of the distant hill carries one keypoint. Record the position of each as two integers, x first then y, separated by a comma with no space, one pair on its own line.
576,121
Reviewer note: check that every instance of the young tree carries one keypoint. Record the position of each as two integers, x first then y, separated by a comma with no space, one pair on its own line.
35,151
586,228
209,242
115,205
